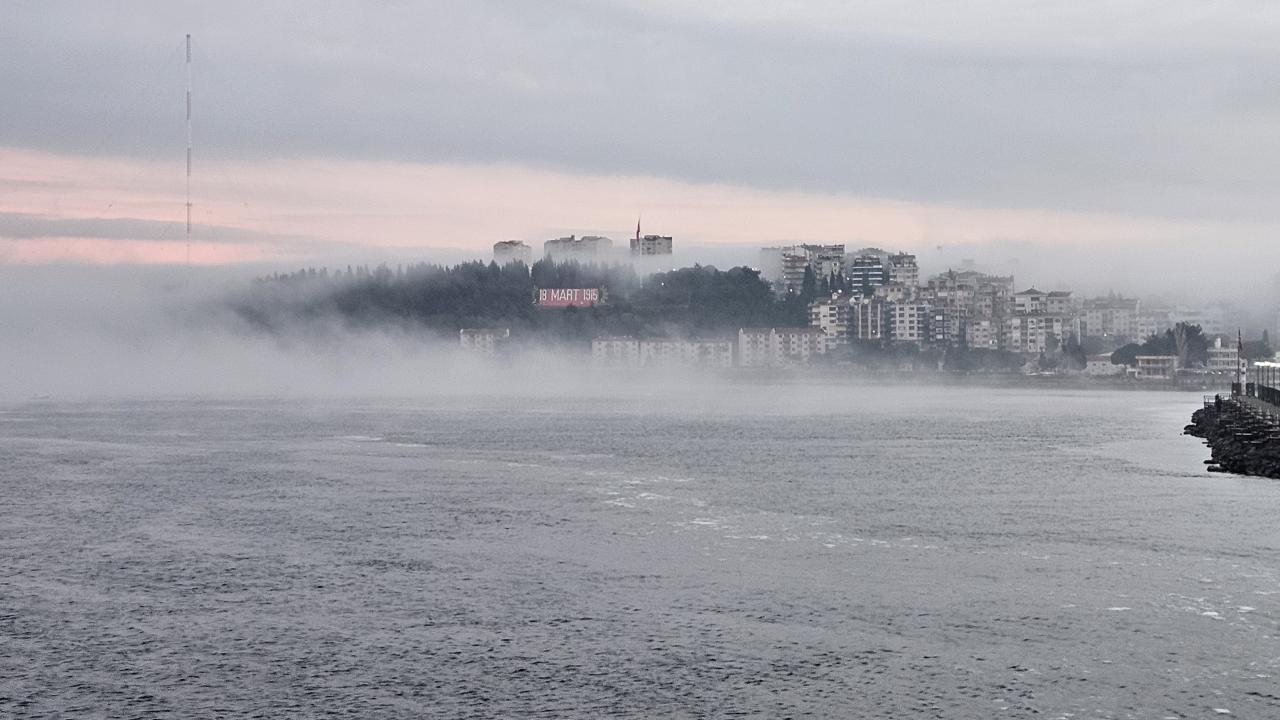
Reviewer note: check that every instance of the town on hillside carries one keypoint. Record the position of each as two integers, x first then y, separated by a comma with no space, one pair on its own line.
871,307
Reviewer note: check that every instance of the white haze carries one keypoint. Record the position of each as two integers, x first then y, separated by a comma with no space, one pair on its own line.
76,332
82,331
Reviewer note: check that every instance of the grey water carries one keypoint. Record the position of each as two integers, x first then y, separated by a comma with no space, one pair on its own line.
762,551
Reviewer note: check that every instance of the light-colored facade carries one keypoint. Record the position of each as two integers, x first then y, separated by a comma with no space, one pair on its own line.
587,248
778,347
795,345
712,353
1157,367
626,351
894,292
1101,366
1030,302
1035,333
1059,302
830,315
483,341
982,333
909,322
509,251
903,270
651,245
1112,317
616,350
1223,357
755,348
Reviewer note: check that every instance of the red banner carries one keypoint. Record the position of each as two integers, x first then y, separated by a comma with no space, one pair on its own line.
564,297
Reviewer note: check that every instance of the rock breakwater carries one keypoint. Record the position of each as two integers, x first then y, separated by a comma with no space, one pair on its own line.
1242,437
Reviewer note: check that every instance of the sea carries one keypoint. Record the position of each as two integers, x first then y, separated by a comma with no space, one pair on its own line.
770,550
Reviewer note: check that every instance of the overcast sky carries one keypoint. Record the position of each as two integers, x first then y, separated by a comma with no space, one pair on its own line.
326,127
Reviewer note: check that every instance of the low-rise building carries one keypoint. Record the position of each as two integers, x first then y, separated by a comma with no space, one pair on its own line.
1157,367
711,353
616,351
1101,365
483,341
1223,357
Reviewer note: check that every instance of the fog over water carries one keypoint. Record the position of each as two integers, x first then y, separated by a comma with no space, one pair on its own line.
206,519
772,551
76,331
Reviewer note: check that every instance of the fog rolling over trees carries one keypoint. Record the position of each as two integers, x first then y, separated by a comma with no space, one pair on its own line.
693,301
83,332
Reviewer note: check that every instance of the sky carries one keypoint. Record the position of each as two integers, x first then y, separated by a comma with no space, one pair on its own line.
1134,140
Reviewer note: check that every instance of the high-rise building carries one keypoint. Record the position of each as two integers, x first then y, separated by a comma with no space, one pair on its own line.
904,270
509,251
651,245
867,272
588,248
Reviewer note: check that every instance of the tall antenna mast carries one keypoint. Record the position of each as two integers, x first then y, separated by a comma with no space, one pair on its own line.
188,148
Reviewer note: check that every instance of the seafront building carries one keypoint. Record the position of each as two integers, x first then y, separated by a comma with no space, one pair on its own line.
1157,367
663,352
1224,357
485,342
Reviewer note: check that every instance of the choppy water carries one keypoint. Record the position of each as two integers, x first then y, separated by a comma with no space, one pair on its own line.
886,553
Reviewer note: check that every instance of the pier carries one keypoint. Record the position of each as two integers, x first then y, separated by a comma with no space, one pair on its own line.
1242,429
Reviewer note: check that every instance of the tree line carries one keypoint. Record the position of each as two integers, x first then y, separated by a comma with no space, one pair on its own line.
694,301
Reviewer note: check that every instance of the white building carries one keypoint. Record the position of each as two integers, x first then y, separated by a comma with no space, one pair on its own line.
1112,317
483,341
1030,302
616,350
795,345
830,315
754,347
1157,367
587,248
785,265
909,322
778,347
1224,359
1035,333
712,353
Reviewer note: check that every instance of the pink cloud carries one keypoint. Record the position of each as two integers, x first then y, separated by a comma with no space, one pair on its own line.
304,208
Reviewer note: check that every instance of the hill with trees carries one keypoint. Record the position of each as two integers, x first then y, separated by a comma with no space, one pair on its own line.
693,301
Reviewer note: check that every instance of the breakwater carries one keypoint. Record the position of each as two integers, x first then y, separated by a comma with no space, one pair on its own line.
1243,435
